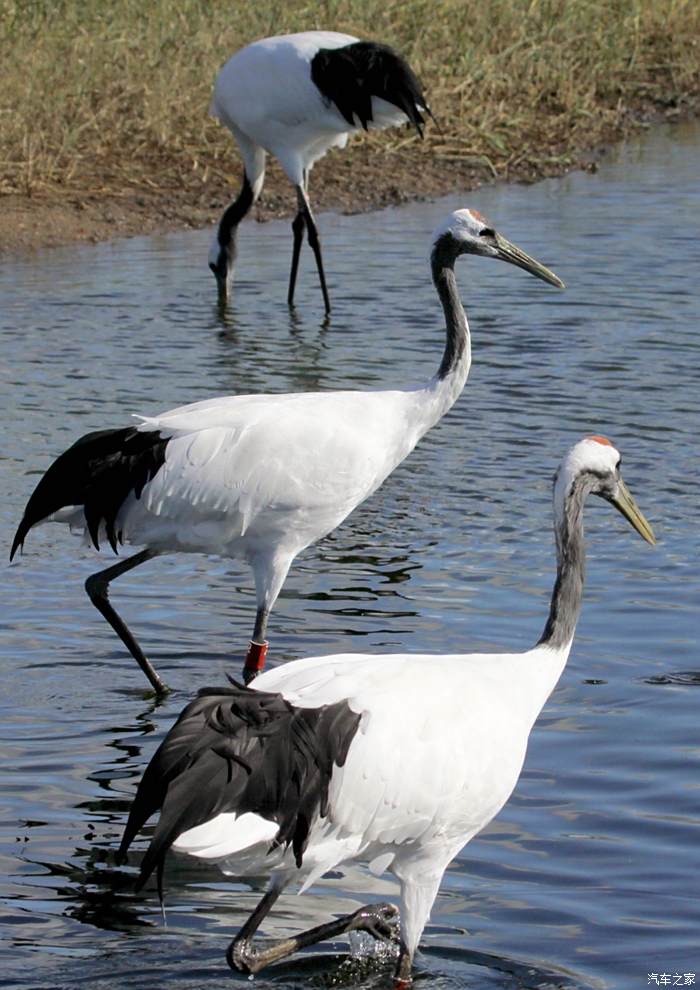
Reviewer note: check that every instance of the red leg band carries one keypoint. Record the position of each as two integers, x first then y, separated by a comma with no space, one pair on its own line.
255,657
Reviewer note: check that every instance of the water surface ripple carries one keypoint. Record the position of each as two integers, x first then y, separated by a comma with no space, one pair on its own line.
589,877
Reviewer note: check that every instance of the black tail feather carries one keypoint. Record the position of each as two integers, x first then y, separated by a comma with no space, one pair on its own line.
97,472
236,749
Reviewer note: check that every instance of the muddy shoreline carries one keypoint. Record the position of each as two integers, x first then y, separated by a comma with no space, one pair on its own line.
360,179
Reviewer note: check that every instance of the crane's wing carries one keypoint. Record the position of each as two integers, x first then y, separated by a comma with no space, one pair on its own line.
241,753
439,747
318,455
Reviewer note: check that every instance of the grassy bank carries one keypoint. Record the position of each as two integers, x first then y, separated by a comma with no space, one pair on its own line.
106,96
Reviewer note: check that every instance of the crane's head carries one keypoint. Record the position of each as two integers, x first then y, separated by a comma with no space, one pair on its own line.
469,232
221,259
592,466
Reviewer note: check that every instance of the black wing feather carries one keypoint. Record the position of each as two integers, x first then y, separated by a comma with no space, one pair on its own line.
97,472
236,749
350,76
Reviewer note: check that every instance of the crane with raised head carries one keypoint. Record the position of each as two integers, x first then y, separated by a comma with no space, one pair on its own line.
398,760
258,477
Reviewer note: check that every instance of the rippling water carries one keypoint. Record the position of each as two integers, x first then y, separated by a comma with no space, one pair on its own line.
589,877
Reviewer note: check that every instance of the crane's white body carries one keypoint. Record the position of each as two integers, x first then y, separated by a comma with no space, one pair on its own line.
438,751
260,477
265,96
416,755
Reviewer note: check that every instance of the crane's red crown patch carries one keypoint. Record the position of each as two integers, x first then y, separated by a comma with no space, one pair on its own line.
603,440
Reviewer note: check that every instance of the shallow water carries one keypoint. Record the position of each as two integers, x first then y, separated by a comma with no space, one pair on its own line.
588,878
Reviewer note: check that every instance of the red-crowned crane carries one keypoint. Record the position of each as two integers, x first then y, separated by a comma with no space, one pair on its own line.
259,477
296,96
398,760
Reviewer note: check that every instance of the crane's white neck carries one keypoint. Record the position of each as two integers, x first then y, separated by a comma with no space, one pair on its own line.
541,669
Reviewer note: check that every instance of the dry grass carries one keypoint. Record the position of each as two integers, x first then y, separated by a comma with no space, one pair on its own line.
103,97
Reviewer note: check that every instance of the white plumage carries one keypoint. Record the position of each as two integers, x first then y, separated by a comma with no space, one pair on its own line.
296,96
411,756
265,96
395,791
259,477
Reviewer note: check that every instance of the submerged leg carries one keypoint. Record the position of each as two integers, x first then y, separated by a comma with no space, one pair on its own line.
97,587
403,973
298,226
378,919
419,889
257,648
304,209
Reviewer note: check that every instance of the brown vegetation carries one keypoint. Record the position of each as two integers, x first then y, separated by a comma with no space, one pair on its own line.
104,106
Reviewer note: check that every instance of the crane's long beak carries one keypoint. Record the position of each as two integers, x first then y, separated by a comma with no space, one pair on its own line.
222,283
512,254
221,290
625,504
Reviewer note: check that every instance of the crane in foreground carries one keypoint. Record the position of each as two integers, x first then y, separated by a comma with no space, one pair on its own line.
258,477
398,759
295,96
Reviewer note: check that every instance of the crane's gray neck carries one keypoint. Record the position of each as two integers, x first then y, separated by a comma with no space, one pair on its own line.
565,605
442,262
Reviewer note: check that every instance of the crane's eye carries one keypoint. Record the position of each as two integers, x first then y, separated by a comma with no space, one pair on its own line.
487,232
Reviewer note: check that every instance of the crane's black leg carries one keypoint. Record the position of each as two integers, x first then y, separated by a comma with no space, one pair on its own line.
378,919
305,218
257,648
298,226
314,241
97,587
240,950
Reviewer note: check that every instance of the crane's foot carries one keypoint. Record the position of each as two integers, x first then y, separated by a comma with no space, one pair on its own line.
243,956
379,920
